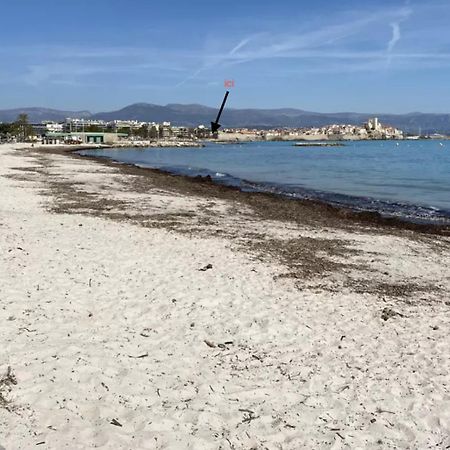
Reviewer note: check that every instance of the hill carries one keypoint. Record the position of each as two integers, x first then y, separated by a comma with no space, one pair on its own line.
193,115
37,115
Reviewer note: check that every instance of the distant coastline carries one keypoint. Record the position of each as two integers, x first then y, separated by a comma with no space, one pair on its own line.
192,115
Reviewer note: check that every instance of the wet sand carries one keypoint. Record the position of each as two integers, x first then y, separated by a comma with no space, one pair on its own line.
269,206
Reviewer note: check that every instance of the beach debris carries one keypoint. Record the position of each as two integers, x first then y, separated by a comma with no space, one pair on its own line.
343,388
116,423
140,356
6,381
27,329
225,344
145,332
249,415
207,267
9,378
381,411
388,313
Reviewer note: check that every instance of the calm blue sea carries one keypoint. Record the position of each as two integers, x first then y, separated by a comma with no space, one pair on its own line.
410,179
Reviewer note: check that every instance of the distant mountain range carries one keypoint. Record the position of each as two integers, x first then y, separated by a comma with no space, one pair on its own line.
37,115
193,115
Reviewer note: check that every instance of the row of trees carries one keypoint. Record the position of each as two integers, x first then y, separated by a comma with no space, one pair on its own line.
20,129
144,132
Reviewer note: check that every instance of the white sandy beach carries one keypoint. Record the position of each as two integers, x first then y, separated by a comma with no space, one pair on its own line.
116,339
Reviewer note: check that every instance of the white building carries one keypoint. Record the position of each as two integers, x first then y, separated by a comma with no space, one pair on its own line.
374,124
54,127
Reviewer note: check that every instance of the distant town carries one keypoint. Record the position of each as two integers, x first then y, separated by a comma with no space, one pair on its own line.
136,133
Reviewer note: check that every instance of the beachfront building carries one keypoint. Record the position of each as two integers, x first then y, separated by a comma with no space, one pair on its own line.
165,130
136,130
202,132
83,125
50,126
183,132
61,138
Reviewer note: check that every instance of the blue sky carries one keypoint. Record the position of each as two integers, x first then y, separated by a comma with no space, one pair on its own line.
321,55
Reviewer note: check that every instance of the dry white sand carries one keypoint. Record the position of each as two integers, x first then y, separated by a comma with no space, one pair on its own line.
117,340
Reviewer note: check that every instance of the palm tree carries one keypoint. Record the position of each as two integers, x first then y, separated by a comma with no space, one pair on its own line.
23,128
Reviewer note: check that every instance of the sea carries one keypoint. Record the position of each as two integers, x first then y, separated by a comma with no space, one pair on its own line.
404,179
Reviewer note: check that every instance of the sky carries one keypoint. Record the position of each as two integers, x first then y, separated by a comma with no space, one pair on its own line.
321,55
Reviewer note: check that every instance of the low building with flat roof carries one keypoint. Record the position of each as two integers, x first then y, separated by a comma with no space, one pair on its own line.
53,138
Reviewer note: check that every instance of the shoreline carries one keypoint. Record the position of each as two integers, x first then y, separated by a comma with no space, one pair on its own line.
322,210
146,310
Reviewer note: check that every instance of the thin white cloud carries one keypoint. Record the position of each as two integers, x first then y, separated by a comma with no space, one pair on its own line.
63,73
215,60
404,14
396,35
327,41
241,44
352,41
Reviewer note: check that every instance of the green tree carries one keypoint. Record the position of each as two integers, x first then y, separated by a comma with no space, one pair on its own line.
142,132
153,133
23,128
124,130
93,129
6,129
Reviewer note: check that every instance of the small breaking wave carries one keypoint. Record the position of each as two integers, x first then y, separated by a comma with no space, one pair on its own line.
400,210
